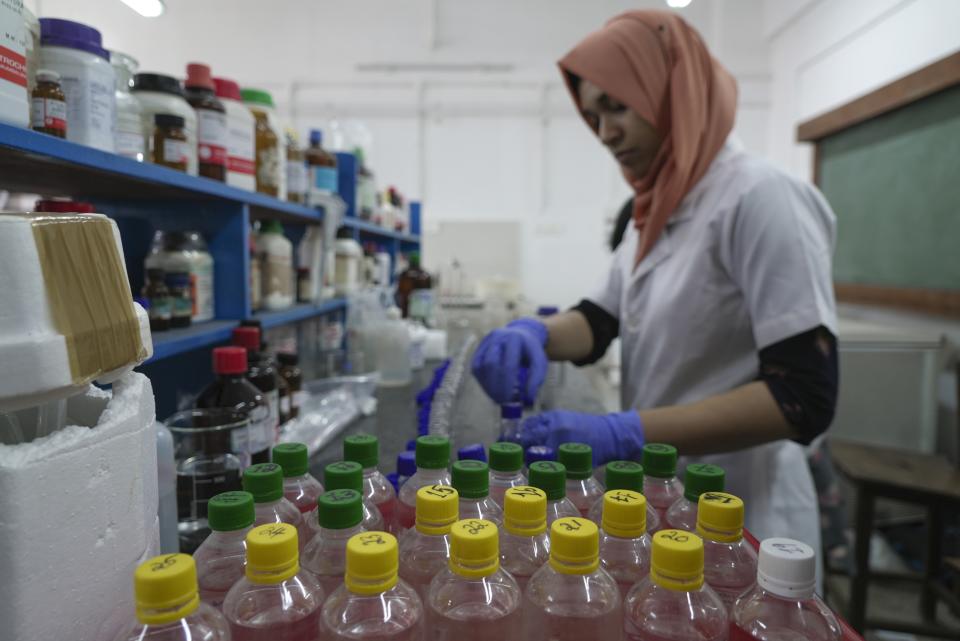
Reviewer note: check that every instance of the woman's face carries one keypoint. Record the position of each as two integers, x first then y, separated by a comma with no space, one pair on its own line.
633,141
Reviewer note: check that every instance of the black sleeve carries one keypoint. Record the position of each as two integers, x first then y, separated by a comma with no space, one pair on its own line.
620,226
803,375
603,326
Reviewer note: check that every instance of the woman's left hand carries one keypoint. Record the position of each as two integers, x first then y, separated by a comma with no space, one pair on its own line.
612,436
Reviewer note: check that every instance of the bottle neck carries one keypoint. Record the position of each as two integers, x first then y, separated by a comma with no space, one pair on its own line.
228,536
369,472
171,615
676,583
578,569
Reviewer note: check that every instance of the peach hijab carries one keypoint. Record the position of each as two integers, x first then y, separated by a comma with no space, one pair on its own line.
657,65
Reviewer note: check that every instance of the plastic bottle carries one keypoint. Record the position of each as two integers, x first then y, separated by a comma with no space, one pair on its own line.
161,94
624,475
506,469
624,542
674,603
128,135
14,94
299,486
551,477
186,251
524,541
373,603
339,513
572,598
321,170
167,604
221,557
290,372
31,50
471,479
270,147
232,389
699,478
783,606
582,489
261,373
274,599
660,484
433,459
265,482
348,254
425,549
276,270
473,597
406,467
365,450
241,144
348,475
510,415
211,122
76,52
729,562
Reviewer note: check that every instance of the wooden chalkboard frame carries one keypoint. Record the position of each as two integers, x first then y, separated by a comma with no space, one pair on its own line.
935,77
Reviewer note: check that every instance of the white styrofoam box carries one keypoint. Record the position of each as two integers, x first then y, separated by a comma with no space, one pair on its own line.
78,511
36,364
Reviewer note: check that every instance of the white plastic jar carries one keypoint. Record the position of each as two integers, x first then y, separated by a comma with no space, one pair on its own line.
347,268
241,144
76,52
263,101
276,266
186,252
14,105
160,94
128,134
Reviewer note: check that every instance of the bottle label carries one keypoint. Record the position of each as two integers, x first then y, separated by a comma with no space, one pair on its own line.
421,304
201,293
91,105
13,62
323,180
175,151
262,428
160,308
129,144
241,149
182,306
49,114
277,276
212,137
299,398
296,177
268,167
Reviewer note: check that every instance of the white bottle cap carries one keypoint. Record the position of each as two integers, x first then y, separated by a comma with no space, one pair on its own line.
787,568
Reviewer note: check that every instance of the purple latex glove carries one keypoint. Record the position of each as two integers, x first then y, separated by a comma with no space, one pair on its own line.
501,354
613,437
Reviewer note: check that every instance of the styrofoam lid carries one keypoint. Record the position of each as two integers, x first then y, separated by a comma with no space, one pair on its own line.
787,568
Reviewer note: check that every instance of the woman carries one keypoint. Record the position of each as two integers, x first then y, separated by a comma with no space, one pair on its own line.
720,292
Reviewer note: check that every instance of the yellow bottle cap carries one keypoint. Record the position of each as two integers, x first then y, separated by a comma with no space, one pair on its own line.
525,510
372,562
437,509
720,517
165,588
474,548
574,545
676,562
624,514
272,554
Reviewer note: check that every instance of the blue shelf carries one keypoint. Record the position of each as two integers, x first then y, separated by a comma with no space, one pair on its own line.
376,230
178,341
300,312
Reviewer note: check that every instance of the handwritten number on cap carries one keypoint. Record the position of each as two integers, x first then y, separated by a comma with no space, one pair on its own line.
373,538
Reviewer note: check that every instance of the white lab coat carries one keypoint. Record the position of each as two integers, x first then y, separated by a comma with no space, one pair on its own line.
745,262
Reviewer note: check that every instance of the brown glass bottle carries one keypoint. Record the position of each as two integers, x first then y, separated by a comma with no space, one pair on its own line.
296,171
262,373
411,279
291,373
268,162
211,122
170,142
158,296
48,105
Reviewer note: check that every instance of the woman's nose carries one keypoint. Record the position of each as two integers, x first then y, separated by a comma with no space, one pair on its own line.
609,132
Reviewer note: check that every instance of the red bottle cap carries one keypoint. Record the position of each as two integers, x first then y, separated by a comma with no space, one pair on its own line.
247,337
227,88
198,75
229,360
63,207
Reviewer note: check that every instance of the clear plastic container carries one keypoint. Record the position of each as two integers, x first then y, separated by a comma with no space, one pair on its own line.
582,489
783,606
340,515
373,603
299,486
275,599
510,415
433,459
506,469
265,482
624,475
624,542
524,542
471,479
389,345
128,135
365,450
697,479
572,598
168,608
221,557
674,603
660,484
348,475
551,477
473,597
425,549
729,562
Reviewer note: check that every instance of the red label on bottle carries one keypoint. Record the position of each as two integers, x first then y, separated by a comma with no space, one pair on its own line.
13,67
212,154
241,165
738,634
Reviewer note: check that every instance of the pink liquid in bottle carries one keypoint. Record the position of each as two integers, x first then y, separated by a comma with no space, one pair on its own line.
303,629
365,450
433,459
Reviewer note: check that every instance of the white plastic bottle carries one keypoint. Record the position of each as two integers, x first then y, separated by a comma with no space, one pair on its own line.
729,561
660,484
265,482
473,597
128,134
14,101
241,143
310,257
348,256
524,541
162,94
697,479
582,489
506,469
348,475
471,479
276,269
624,475
340,514
433,459
425,549
624,542
299,486
221,557
551,477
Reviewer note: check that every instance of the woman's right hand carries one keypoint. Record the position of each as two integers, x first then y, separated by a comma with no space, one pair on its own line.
503,352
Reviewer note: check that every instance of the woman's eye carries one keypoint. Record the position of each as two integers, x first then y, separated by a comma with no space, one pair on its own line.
613,106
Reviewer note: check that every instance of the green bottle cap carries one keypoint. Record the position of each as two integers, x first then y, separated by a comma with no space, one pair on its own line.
256,96
700,478
343,475
271,227
340,509
577,458
551,477
471,479
506,457
230,511
624,475
433,452
264,481
659,460
363,449
292,457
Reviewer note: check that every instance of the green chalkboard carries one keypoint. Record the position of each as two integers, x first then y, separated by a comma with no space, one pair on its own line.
894,183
